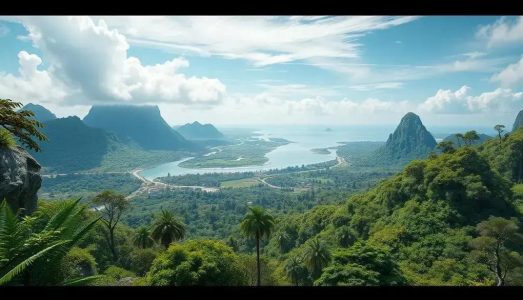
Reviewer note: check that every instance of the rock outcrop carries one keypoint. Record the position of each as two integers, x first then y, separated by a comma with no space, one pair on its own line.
411,140
19,179
518,122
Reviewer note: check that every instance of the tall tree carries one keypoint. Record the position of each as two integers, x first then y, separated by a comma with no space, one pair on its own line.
21,124
316,257
111,206
499,128
142,238
446,146
470,137
258,224
295,270
167,229
490,247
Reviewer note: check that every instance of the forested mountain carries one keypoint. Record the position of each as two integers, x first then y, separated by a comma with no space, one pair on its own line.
506,155
72,145
42,114
198,131
409,141
415,228
143,124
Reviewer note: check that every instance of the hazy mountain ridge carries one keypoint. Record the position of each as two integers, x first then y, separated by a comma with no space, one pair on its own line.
72,145
143,124
42,114
197,131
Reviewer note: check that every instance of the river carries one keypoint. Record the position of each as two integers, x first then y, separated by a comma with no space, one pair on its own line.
297,153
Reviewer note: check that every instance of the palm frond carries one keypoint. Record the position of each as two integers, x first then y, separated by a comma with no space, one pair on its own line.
81,281
62,215
27,262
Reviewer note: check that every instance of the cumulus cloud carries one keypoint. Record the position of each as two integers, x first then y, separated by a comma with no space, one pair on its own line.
503,32
460,101
31,84
260,40
92,61
510,76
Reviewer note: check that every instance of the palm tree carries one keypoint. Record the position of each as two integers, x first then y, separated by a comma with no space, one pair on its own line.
316,257
142,238
258,224
32,247
167,228
295,270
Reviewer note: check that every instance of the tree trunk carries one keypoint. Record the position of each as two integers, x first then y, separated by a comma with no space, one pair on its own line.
112,245
499,277
258,282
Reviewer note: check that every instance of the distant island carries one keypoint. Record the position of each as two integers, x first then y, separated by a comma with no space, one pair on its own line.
321,150
246,153
328,129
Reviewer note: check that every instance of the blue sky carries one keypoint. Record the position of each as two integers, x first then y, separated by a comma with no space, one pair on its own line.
283,70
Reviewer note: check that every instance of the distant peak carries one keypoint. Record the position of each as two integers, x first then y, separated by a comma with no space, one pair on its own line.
196,123
410,115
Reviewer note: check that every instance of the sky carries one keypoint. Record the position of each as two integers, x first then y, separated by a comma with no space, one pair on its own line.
238,70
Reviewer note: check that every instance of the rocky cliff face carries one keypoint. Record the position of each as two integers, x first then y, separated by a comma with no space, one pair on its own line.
410,140
519,121
19,179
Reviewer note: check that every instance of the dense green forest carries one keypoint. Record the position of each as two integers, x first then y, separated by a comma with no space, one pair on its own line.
433,223
452,218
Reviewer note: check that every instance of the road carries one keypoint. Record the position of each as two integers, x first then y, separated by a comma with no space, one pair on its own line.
152,186
149,186
341,161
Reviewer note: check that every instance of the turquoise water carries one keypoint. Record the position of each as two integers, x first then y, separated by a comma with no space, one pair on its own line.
299,152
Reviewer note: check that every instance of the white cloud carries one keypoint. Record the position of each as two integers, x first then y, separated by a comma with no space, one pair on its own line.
260,40
474,54
31,84
503,32
374,74
510,76
459,101
267,108
92,61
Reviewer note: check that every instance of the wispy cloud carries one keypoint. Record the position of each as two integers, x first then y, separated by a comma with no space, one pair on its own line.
260,40
3,30
376,86
512,75
503,32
